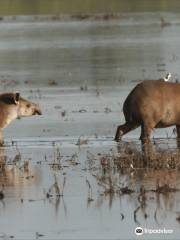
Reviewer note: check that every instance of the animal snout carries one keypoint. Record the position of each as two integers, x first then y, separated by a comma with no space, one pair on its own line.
37,111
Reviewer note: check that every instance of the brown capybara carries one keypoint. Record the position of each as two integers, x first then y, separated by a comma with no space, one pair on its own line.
13,106
151,104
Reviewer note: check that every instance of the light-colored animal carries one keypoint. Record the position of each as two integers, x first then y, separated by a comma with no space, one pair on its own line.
151,104
13,106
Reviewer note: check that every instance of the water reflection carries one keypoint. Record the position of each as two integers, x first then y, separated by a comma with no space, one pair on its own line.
14,172
107,180
151,192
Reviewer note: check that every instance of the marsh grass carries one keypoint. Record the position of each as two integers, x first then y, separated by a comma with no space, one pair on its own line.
90,194
83,8
55,190
117,173
56,164
129,156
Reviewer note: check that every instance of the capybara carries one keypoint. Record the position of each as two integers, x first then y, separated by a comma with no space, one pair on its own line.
151,104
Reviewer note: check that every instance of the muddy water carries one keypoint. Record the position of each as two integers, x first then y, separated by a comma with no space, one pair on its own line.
80,73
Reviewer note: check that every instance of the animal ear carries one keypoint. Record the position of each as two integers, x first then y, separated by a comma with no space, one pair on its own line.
16,99
10,98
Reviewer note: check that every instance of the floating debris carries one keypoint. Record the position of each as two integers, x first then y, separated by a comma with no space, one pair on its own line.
48,195
57,107
38,235
107,110
73,159
82,110
84,88
29,177
63,113
126,190
52,83
122,216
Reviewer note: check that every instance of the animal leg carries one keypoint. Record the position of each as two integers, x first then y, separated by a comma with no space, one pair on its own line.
147,147
123,129
148,153
178,135
1,138
146,130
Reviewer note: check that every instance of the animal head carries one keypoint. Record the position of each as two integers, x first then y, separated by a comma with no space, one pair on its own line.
26,108
14,104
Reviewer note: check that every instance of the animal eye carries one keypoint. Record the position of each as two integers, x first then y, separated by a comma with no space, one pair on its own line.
28,105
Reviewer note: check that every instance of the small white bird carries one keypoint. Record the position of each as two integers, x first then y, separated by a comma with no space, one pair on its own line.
167,78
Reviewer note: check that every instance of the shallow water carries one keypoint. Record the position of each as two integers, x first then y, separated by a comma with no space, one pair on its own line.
92,53
26,209
80,74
